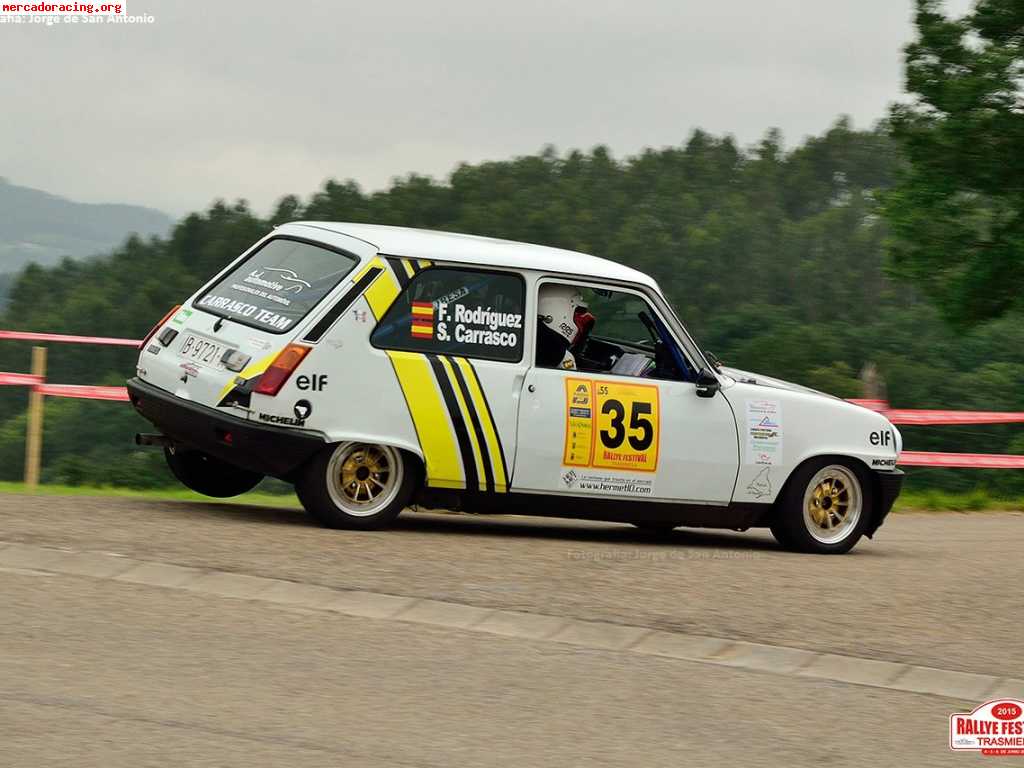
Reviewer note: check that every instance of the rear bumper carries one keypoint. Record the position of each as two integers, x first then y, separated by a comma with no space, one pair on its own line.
274,451
889,486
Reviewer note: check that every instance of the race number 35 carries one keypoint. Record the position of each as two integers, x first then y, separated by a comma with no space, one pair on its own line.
627,427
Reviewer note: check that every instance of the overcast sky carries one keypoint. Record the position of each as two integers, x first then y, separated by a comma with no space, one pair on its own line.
256,99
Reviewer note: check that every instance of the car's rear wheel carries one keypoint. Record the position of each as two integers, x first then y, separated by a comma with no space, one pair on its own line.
207,475
357,485
825,507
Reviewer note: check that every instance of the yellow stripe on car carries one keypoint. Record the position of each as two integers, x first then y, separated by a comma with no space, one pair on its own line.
382,291
430,417
250,371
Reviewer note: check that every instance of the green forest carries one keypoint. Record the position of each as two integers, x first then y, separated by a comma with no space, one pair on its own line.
774,259
900,247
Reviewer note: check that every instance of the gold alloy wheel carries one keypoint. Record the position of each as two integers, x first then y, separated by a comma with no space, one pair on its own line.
363,479
833,504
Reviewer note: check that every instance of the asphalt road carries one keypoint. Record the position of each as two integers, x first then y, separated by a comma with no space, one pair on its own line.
103,672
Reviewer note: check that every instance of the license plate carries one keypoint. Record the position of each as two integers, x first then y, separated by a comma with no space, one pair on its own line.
201,350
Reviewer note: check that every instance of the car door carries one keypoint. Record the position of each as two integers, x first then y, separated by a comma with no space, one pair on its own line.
454,338
601,433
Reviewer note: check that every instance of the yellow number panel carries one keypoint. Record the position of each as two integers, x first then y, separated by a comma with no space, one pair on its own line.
626,422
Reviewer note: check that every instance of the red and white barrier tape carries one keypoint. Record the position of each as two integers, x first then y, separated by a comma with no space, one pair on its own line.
897,416
963,460
871,405
67,338
952,418
83,391
19,379
922,417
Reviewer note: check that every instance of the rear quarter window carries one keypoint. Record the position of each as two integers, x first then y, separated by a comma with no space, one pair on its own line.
457,311
277,285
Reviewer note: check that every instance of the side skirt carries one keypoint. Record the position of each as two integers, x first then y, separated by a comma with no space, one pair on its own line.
735,515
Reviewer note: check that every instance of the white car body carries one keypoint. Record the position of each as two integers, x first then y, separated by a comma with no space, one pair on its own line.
717,461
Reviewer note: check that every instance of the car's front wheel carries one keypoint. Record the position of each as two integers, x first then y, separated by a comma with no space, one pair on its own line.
357,485
204,474
824,508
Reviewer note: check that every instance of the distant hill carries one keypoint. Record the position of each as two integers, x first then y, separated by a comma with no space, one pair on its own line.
40,227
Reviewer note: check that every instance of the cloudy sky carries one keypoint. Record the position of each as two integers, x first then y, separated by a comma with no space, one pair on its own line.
255,99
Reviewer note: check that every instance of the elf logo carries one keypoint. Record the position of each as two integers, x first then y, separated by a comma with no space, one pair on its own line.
882,437
315,383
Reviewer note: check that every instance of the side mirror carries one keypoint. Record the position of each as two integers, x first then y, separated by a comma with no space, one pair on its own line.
707,383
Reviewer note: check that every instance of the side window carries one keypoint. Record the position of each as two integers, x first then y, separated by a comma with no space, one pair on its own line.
449,310
604,331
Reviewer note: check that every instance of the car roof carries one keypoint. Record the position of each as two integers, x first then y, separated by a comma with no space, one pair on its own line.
486,251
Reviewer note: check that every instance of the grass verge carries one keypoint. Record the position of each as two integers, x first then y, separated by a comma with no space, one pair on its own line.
944,501
284,501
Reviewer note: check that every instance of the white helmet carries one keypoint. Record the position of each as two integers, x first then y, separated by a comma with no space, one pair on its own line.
563,310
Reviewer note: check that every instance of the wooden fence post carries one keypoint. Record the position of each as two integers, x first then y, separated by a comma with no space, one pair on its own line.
34,433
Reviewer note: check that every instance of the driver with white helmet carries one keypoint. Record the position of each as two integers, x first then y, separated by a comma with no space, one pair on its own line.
564,324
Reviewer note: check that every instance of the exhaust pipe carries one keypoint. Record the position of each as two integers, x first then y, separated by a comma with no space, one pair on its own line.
144,438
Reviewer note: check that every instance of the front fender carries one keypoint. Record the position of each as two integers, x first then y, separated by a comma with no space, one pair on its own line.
781,429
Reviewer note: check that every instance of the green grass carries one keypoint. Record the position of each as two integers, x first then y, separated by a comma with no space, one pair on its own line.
286,501
944,501
909,501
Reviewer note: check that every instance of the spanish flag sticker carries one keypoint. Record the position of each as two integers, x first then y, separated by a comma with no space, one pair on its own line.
422,320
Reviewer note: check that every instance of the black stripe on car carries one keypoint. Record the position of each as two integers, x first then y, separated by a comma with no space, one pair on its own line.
494,427
461,434
485,456
399,269
330,317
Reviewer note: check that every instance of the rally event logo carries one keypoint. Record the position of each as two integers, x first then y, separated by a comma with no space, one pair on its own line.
996,728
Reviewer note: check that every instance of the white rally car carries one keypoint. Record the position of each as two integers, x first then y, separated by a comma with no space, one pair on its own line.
375,367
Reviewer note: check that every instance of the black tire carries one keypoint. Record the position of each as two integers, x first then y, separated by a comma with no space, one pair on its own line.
802,519
329,481
207,475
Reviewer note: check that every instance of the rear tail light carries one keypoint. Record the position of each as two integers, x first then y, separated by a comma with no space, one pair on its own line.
159,325
284,365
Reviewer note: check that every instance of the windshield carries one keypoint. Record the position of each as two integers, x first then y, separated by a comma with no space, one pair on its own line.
277,285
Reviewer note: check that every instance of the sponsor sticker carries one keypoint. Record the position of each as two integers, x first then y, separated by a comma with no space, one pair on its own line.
995,729
761,485
764,432
582,480
302,410
882,437
579,422
248,311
